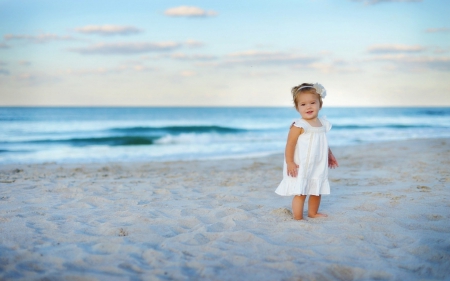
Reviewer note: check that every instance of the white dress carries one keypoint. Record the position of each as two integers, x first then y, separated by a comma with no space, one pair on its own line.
311,155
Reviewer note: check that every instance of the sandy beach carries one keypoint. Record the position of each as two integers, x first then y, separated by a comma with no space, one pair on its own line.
389,219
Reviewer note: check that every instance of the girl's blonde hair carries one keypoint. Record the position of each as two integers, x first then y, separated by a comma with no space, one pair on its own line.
308,89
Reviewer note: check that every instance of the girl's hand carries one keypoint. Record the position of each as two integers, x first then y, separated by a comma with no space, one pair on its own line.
332,162
292,169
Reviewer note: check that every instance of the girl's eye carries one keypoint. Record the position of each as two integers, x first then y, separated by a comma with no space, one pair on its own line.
313,102
302,104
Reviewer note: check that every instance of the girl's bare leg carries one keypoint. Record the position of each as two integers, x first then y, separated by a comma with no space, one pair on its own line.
297,206
313,207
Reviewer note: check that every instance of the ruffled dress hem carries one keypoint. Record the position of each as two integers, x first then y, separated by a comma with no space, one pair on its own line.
290,186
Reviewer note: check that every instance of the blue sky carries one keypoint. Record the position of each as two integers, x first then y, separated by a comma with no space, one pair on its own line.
224,53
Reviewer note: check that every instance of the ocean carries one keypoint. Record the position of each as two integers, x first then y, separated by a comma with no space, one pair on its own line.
121,134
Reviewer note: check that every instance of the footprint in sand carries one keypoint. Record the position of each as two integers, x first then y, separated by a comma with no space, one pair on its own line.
123,232
282,212
434,217
217,227
423,188
201,239
366,207
249,207
342,272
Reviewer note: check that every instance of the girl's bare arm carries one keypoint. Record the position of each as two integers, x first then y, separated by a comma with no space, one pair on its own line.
292,167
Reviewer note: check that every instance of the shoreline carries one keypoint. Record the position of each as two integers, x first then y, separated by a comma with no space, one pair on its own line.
389,212
253,156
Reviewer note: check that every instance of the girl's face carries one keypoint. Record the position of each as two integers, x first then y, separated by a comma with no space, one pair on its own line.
308,105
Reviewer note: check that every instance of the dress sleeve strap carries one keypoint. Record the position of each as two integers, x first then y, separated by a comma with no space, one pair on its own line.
299,123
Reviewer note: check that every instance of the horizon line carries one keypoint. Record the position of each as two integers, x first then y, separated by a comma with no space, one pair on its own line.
216,106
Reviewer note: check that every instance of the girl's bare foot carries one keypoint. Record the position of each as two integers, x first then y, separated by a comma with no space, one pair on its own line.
298,219
318,215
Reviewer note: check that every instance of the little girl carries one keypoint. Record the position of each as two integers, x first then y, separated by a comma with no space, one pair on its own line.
307,155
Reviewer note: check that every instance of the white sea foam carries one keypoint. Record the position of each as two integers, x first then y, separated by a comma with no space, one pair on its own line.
105,134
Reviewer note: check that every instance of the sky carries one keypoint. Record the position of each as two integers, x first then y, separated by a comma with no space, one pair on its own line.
223,53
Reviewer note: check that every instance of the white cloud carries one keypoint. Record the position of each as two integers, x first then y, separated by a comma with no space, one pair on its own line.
188,73
108,30
4,46
126,48
253,53
253,57
189,11
373,2
36,79
439,50
435,30
256,57
125,67
416,62
193,43
41,38
24,62
182,56
108,70
340,67
393,48
209,64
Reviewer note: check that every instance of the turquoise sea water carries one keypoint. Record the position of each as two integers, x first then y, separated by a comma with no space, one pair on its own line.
100,134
